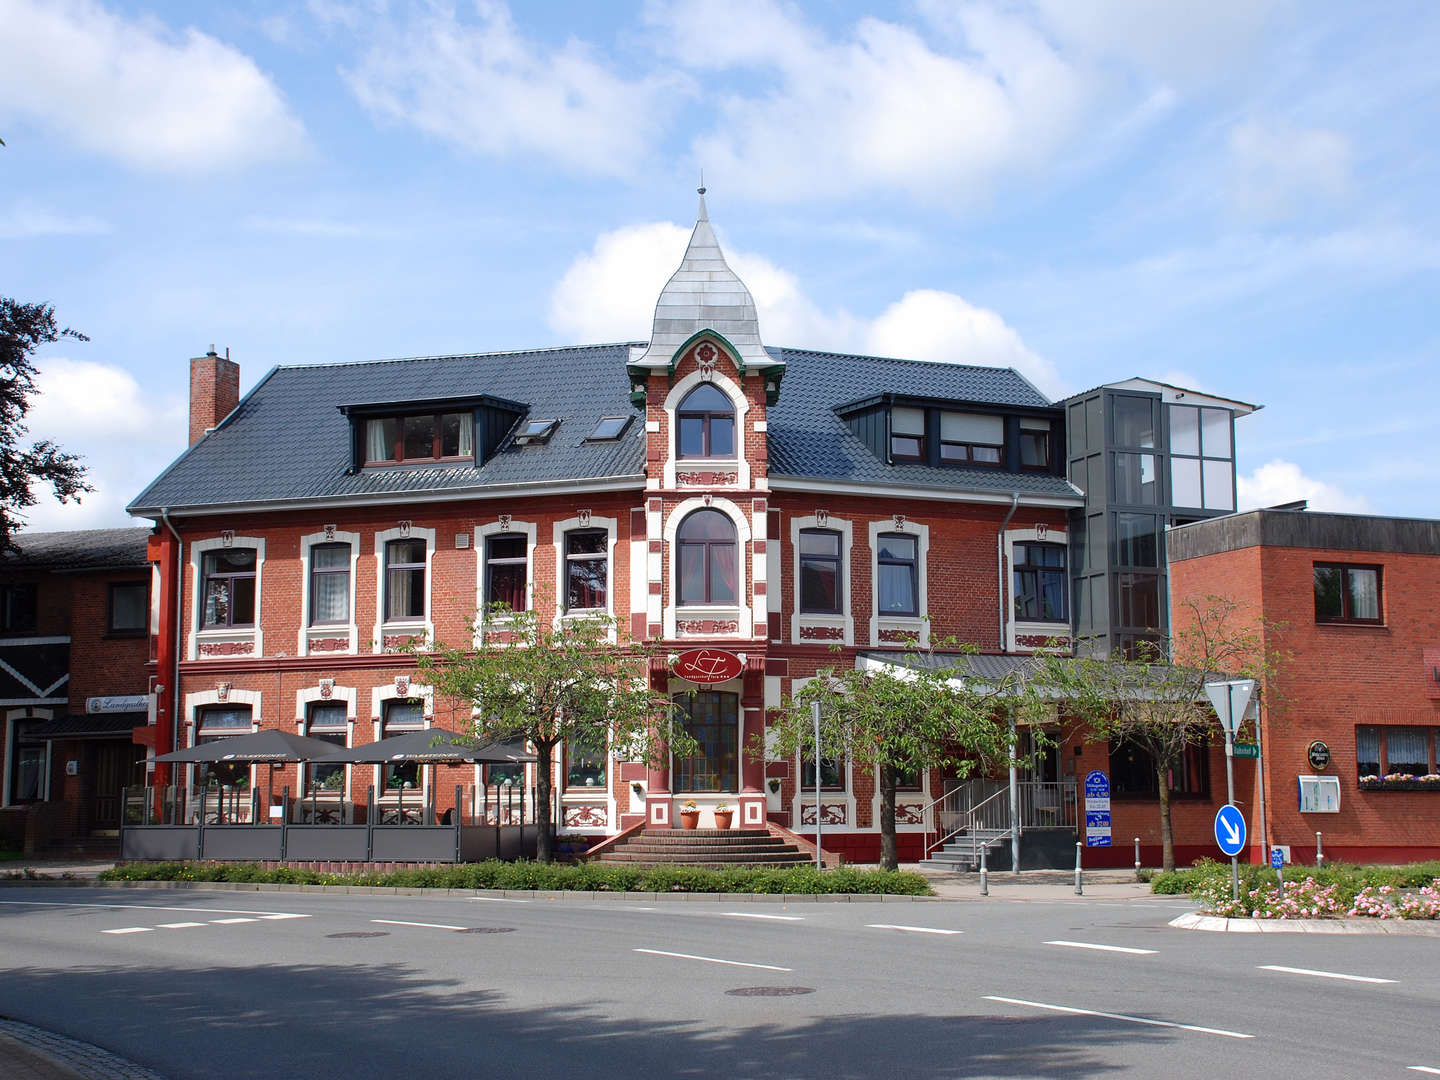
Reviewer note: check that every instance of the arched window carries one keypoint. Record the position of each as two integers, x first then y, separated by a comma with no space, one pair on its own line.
707,424
708,558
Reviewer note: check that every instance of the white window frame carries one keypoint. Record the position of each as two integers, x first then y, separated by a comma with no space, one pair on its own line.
198,700
13,717
424,627
498,528
611,527
845,621
736,394
742,611
253,634
918,625
346,695
1015,628
307,632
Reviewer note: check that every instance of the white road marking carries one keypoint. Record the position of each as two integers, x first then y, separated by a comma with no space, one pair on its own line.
753,915
129,930
178,925
152,907
911,929
228,922
1322,974
1120,1016
1424,1069
1102,948
426,925
497,899
711,960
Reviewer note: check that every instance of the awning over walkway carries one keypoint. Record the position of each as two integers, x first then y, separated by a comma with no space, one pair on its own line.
85,726
433,746
260,746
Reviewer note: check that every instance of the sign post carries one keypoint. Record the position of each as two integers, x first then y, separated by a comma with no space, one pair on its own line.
819,857
1230,835
1097,809
1230,700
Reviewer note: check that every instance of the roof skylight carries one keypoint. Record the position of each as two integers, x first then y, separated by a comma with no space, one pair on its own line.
535,431
609,427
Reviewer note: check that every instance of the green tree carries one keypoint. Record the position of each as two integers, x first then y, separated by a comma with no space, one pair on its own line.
1153,698
904,718
23,329
553,683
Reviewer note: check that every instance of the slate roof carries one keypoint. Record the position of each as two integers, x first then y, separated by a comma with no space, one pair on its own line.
287,439
78,549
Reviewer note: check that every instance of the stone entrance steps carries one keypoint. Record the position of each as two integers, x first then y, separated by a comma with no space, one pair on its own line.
704,847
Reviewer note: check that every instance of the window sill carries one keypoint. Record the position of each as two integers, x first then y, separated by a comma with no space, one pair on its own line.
1400,785
1346,624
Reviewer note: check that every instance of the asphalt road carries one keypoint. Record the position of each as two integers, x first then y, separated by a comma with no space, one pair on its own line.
232,984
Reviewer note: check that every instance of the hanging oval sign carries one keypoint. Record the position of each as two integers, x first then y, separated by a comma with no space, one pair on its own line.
708,665
1318,754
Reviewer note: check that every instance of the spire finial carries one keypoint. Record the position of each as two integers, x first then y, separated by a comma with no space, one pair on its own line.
704,214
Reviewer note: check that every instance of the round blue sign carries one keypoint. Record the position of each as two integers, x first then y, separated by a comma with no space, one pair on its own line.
1230,829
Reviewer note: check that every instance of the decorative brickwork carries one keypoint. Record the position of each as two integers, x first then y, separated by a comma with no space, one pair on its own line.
226,648
822,633
707,626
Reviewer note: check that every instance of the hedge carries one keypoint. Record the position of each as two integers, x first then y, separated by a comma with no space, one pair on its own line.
586,877
1347,879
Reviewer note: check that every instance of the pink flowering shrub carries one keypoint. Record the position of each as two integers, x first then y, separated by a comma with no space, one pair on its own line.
1306,899
1388,902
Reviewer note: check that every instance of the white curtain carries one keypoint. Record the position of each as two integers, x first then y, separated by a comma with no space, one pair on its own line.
376,446
467,435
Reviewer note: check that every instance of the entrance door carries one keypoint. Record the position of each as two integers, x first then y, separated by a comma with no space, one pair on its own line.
712,719
116,765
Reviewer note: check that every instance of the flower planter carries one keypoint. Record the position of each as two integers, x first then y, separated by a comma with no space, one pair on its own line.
689,819
722,820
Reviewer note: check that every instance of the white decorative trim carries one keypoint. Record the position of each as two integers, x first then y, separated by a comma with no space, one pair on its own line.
736,395
423,627
901,796
252,634
379,695
806,796
743,614
308,632
1013,627
639,578
346,695
229,696
612,527
503,524
915,626
845,621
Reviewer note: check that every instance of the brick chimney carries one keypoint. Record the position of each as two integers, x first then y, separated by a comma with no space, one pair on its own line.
214,391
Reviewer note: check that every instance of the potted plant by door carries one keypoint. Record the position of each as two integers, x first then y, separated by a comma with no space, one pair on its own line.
723,816
689,815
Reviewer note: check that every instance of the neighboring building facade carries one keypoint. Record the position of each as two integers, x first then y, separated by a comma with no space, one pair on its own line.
1148,456
1350,725
705,489
74,683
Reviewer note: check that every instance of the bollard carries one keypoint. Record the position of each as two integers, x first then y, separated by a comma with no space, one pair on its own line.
1079,886
984,873
1319,850
1137,858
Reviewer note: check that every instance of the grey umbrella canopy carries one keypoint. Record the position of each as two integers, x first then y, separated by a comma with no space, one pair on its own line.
431,745
261,746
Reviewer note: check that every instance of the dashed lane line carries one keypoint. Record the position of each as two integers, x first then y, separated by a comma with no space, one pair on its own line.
231,922
1102,948
1322,974
1119,1016
911,929
129,930
710,960
497,899
1424,1069
755,915
155,907
178,925
426,925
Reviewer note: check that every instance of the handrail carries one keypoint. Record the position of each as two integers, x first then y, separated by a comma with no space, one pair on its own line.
1040,804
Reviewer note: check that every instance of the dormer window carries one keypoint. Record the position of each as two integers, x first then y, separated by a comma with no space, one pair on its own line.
907,434
535,431
706,420
1035,444
419,438
971,439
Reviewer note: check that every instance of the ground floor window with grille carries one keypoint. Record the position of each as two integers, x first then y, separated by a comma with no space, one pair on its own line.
400,717
712,719
327,722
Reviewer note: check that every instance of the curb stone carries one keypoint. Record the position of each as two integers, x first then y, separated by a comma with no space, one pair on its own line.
61,1058
1214,923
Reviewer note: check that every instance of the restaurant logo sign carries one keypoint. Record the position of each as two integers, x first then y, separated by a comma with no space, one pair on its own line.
707,665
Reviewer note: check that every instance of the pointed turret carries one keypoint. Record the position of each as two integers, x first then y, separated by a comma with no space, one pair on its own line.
705,294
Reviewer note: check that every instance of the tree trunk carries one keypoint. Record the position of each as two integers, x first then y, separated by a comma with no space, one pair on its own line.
1167,833
889,852
544,796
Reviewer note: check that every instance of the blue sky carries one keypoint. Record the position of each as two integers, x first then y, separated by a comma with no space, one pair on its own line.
1234,196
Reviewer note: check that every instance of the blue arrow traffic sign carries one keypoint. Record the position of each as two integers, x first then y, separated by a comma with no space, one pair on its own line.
1230,829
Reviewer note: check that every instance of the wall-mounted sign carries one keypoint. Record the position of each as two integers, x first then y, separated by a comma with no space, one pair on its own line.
1318,754
707,665
118,703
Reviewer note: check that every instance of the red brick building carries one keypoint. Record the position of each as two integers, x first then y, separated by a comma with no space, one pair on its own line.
1349,728
74,684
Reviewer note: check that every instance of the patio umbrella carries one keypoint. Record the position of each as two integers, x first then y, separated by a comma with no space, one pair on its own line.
259,747
432,746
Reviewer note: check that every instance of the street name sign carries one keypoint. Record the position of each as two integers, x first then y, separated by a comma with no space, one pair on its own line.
1247,749
1230,830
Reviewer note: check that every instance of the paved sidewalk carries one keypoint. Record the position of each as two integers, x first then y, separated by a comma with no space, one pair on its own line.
32,1053
55,868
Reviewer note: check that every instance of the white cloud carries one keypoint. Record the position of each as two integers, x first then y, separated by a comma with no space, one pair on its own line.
134,90
609,293
484,87
1283,481
124,435
26,219
1278,173
881,109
